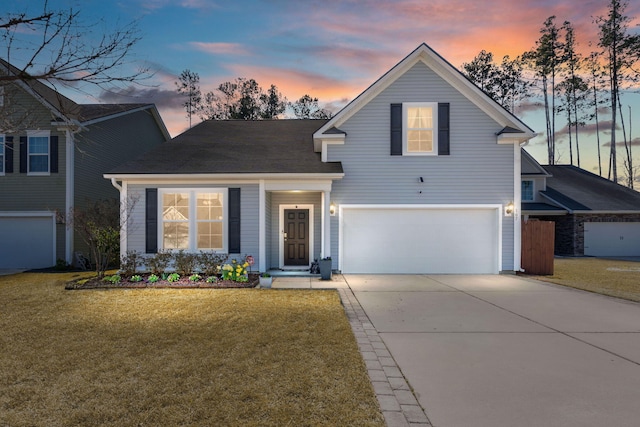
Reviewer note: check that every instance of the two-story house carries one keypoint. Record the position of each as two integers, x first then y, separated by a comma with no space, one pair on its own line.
418,174
53,153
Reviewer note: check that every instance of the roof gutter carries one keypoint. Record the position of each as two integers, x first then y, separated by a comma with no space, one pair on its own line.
210,176
116,185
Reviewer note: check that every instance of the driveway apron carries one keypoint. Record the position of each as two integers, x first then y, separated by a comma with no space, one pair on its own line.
508,351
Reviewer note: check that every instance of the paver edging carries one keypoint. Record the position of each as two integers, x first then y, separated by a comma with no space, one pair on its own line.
399,405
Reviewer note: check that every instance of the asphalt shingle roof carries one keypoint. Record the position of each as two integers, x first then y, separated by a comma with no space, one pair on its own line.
66,106
237,146
578,189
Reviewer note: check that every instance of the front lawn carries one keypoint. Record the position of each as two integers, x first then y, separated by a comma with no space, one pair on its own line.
609,277
196,357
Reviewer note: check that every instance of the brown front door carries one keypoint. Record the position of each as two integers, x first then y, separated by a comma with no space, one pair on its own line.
296,237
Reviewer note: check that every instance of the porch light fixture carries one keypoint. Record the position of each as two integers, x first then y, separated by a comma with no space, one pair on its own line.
332,209
509,209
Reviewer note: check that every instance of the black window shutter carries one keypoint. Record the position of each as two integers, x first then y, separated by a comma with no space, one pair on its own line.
8,155
234,220
443,129
23,154
396,129
53,154
151,223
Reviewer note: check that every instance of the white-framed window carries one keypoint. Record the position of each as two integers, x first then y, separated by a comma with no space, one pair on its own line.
2,155
527,190
1,96
38,152
193,219
420,128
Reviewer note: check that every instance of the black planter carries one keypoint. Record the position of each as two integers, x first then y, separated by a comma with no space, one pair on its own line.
325,269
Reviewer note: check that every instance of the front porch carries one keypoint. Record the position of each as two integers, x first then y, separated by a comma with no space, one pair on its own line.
295,226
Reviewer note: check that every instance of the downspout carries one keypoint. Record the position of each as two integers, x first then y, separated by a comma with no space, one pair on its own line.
123,221
116,185
69,193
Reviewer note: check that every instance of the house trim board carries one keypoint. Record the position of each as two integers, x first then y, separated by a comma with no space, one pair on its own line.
281,234
207,178
69,194
517,202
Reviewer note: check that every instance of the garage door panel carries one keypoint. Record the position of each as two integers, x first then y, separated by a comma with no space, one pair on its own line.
27,242
399,240
612,238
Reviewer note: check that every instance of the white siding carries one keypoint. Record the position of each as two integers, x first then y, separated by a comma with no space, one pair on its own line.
478,171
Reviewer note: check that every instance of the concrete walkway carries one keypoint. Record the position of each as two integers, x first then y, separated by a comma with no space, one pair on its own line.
506,351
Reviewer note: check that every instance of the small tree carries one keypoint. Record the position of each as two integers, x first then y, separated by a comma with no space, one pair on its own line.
188,84
99,227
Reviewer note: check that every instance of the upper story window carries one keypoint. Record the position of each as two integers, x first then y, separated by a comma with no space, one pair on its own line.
38,152
2,155
193,219
420,128
527,190
1,96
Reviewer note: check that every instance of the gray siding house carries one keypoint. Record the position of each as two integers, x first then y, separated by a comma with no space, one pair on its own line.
418,174
53,153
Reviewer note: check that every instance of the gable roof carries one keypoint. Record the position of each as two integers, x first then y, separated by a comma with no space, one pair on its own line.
66,109
218,147
513,128
529,165
581,191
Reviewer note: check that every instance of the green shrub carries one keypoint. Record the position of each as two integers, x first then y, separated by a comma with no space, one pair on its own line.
136,278
153,278
112,279
185,262
129,263
173,277
211,262
157,264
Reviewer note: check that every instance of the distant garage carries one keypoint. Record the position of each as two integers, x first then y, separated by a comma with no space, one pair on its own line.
612,238
27,239
419,239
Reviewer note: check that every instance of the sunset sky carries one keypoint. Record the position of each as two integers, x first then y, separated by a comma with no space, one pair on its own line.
329,49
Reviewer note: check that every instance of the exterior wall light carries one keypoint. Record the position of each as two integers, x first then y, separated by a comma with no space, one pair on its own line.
332,209
509,209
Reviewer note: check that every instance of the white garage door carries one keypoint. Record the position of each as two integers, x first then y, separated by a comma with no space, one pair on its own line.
612,238
27,241
419,240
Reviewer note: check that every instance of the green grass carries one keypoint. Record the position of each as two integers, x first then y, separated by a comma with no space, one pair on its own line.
608,277
196,357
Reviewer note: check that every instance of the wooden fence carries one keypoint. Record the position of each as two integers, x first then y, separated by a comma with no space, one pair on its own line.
537,247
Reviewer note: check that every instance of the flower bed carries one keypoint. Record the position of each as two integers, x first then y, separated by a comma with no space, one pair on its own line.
109,282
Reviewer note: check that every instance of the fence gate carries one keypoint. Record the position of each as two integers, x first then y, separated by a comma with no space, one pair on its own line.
537,247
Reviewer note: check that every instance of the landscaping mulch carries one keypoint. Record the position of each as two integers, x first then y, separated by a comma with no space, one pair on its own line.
183,283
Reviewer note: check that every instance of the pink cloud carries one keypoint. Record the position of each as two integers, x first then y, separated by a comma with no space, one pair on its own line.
295,83
220,48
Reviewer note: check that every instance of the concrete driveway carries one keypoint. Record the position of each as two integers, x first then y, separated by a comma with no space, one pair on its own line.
507,351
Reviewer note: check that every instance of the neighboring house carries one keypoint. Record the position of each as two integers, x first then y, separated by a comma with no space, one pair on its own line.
53,153
419,174
592,215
